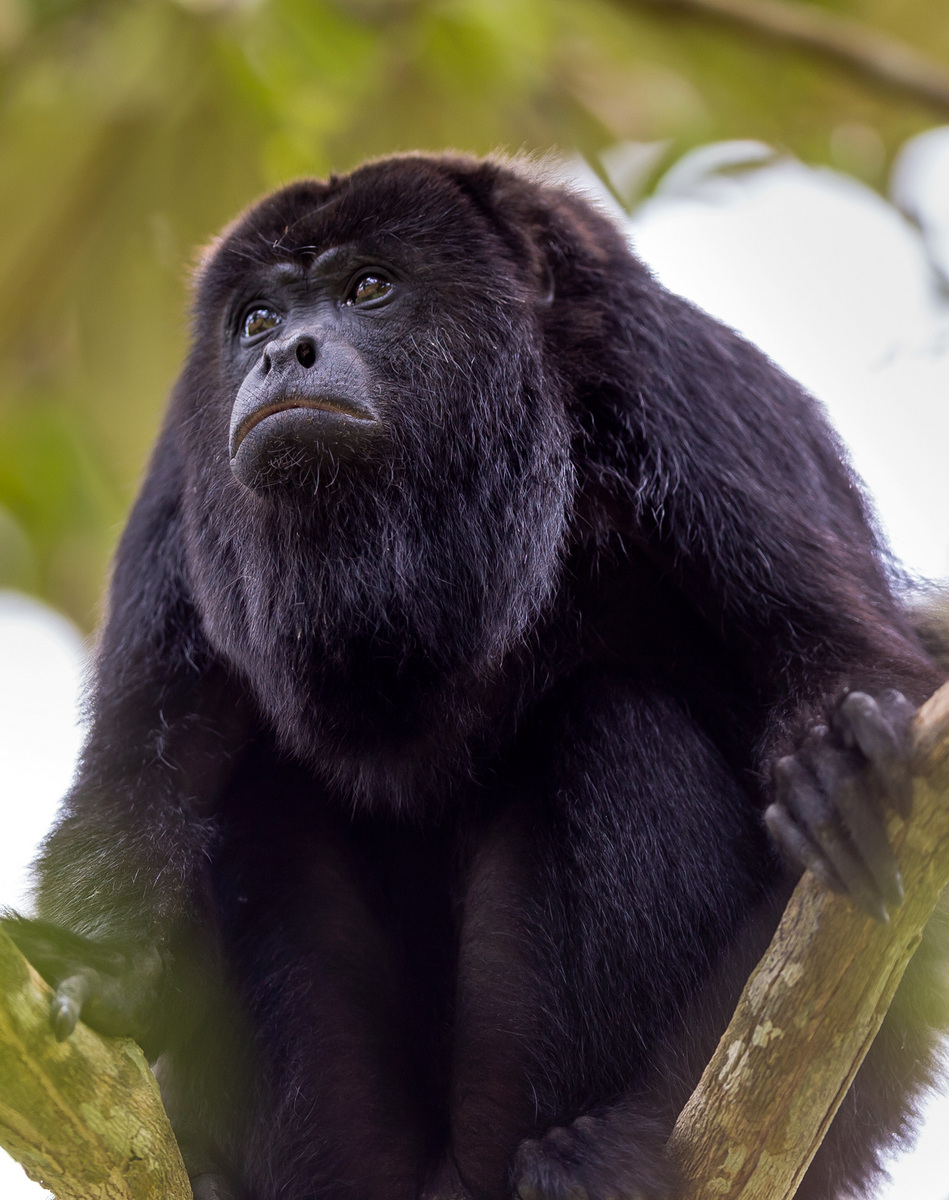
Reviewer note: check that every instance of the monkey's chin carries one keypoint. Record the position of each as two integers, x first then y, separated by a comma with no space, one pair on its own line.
289,443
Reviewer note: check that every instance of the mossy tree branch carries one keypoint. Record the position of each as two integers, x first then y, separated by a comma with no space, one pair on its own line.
83,1116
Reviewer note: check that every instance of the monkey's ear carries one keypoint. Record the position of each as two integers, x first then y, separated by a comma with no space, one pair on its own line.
518,207
514,202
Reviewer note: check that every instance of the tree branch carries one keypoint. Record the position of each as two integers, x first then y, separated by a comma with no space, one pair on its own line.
812,1007
874,56
83,1116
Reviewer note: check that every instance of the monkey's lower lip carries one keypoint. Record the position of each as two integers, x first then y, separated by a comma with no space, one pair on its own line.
274,441
318,405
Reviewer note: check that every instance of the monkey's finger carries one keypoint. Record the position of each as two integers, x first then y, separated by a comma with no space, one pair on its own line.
66,1007
883,738
900,714
796,846
852,796
805,801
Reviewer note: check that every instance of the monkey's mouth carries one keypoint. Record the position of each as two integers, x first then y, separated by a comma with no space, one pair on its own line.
316,404
278,438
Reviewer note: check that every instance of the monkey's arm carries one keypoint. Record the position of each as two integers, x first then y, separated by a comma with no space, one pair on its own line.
745,493
123,865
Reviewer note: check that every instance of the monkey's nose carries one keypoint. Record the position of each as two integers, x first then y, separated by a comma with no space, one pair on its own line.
280,353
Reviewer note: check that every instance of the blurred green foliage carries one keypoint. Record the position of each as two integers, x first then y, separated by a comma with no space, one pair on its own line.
130,130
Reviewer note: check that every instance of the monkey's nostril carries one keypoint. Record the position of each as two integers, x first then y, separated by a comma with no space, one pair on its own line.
306,353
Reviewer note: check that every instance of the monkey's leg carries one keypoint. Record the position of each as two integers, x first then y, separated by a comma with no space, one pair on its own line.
597,911
307,1094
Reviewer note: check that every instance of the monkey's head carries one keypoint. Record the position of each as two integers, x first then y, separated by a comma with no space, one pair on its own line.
337,314
342,317
377,421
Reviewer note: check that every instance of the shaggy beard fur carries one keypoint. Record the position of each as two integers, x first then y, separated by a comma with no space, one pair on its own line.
370,609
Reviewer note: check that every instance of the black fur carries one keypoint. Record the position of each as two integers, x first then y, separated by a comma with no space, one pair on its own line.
424,788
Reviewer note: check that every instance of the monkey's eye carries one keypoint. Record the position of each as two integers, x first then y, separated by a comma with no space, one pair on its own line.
259,320
369,289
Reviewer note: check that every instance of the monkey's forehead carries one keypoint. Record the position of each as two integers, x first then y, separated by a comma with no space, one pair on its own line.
439,205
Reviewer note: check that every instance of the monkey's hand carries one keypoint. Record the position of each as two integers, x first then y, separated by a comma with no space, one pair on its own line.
598,1158
114,989
832,796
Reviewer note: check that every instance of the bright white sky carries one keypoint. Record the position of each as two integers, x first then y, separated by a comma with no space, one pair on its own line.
831,282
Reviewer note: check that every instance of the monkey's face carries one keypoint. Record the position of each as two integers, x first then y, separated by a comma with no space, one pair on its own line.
312,343
307,391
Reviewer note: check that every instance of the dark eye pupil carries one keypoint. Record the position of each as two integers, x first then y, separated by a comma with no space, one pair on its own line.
370,287
260,320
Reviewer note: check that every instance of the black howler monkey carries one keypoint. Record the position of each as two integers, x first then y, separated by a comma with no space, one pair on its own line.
486,616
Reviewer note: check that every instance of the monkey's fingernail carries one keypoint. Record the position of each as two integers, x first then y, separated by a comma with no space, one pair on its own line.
879,912
64,1016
